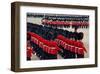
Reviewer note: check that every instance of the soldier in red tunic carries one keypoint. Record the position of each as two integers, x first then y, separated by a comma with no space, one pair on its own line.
29,51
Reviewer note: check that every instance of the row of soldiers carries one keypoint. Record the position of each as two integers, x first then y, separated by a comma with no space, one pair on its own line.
65,23
51,34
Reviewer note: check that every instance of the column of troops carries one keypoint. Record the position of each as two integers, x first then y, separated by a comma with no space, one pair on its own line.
47,40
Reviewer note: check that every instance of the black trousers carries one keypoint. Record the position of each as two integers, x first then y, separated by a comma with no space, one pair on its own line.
49,56
80,56
66,54
28,58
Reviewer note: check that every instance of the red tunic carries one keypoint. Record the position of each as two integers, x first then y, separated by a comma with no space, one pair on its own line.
29,52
